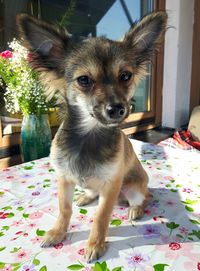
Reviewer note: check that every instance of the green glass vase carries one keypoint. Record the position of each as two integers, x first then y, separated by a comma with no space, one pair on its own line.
35,137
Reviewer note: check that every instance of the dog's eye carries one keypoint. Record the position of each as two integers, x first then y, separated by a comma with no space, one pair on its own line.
125,76
85,81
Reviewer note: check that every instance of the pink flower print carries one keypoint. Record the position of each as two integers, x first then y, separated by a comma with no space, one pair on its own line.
55,194
7,268
121,208
6,54
47,166
123,217
147,212
81,251
75,252
17,202
174,250
49,209
41,173
183,230
19,233
150,231
31,225
57,250
138,260
168,178
3,215
36,193
36,240
10,177
58,246
82,217
29,268
36,215
197,215
194,265
114,215
17,223
6,169
73,227
159,219
174,246
187,190
170,203
22,255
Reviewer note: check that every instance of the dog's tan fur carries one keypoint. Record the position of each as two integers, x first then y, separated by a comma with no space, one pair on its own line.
89,149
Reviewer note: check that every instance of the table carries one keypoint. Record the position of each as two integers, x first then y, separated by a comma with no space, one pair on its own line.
167,238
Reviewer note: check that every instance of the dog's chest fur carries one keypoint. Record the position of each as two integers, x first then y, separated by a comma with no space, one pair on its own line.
85,156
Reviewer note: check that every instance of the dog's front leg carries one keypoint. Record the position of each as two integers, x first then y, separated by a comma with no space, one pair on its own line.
107,198
65,195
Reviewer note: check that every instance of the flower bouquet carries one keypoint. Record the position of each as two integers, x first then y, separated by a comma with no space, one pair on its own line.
24,94
23,91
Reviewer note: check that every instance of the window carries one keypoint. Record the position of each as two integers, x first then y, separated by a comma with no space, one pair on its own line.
111,18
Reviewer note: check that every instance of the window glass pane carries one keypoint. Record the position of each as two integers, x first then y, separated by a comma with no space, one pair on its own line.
111,18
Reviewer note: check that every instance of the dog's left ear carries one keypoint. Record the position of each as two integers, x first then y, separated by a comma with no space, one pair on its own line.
145,35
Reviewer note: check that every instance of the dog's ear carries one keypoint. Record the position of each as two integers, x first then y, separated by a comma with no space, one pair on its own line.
47,44
145,35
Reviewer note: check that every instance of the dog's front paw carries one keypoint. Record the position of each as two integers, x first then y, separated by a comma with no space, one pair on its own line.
135,212
94,251
83,199
53,237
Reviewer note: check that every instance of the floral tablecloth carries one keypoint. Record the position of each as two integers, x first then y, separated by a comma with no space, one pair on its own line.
167,238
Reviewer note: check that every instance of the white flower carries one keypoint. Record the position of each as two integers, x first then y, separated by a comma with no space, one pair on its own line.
23,90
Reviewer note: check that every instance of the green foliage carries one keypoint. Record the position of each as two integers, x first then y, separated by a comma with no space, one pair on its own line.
40,232
190,202
75,267
25,215
83,211
196,222
160,267
116,222
36,261
196,233
65,20
172,225
97,267
43,268
189,209
28,167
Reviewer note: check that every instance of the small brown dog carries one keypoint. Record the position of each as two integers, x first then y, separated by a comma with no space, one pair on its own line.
95,79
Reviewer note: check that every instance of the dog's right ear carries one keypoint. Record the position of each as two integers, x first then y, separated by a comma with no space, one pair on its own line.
47,44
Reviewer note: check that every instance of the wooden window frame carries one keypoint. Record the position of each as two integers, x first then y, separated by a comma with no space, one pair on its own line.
195,78
141,121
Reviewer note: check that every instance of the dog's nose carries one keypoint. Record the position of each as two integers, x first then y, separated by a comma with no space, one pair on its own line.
115,111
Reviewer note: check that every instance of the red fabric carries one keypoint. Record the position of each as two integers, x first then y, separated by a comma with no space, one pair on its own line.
184,138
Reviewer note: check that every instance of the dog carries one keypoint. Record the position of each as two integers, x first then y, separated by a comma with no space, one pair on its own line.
94,80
